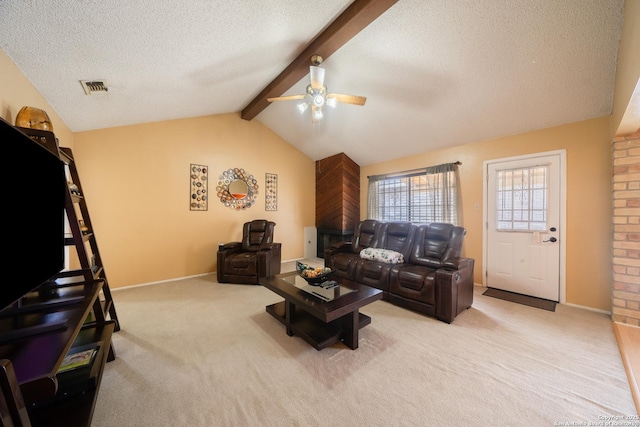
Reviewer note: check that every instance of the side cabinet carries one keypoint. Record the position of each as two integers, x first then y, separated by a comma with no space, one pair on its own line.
35,336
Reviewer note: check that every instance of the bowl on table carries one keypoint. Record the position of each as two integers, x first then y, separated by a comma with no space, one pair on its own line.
313,275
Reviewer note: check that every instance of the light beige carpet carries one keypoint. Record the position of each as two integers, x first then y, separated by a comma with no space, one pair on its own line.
198,353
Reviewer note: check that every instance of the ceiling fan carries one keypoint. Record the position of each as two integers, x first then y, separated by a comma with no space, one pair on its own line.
317,96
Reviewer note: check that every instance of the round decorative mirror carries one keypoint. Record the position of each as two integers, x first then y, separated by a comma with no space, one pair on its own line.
237,189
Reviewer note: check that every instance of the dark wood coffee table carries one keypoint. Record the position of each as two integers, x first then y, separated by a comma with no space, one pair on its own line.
317,320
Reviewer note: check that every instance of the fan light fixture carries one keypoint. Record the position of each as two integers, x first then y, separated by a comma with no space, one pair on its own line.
316,96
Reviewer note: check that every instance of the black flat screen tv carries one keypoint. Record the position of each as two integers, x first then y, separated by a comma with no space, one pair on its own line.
33,186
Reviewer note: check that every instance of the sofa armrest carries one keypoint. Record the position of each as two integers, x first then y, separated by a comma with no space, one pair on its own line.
456,263
454,289
340,246
271,247
230,246
269,260
335,248
225,250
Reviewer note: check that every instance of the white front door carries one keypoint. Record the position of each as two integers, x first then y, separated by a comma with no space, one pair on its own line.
524,217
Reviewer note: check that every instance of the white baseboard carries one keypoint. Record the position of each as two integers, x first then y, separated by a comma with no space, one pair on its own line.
182,278
161,281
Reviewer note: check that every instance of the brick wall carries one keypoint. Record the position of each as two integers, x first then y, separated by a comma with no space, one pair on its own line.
626,229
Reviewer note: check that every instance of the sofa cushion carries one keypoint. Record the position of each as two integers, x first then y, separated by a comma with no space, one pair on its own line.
367,234
432,242
413,282
373,273
398,236
344,265
386,256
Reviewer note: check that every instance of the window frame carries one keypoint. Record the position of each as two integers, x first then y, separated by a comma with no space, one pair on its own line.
422,196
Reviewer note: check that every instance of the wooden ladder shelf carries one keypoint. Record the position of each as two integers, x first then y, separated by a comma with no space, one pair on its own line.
82,234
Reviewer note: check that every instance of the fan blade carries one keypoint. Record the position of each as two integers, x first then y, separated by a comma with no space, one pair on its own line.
348,99
317,77
286,98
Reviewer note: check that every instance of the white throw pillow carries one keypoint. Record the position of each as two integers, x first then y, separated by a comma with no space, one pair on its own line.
382,255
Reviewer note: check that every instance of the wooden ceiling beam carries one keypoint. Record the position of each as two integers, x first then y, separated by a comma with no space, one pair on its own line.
354,19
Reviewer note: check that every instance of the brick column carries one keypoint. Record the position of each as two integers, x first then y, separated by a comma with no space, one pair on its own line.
626,229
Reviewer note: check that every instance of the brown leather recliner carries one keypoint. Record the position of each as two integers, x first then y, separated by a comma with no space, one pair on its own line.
255,257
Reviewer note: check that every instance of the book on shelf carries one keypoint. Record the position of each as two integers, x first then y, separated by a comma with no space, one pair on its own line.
78,359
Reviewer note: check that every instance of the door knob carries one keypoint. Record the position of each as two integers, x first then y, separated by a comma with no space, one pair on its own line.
551,239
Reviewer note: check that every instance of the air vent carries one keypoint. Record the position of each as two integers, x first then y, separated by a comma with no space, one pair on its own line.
94,87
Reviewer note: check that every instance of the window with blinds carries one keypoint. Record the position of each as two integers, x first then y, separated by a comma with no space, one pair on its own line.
427,196
522,199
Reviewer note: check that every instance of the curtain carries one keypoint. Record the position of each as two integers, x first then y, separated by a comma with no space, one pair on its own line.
373,197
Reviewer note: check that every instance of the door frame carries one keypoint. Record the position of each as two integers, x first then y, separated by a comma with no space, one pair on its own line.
563,214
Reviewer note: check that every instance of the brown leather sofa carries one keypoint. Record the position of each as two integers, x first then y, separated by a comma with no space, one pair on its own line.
433,279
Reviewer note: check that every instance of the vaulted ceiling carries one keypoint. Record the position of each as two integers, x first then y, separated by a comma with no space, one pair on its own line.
435,73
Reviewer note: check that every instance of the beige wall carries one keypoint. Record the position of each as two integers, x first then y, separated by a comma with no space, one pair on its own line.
587,143
16,92
136,181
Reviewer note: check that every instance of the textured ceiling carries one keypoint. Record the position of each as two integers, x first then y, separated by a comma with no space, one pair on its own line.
435,73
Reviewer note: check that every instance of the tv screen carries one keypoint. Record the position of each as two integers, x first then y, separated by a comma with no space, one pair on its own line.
33,187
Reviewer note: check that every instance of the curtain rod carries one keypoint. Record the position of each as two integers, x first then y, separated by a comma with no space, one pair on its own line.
457,162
